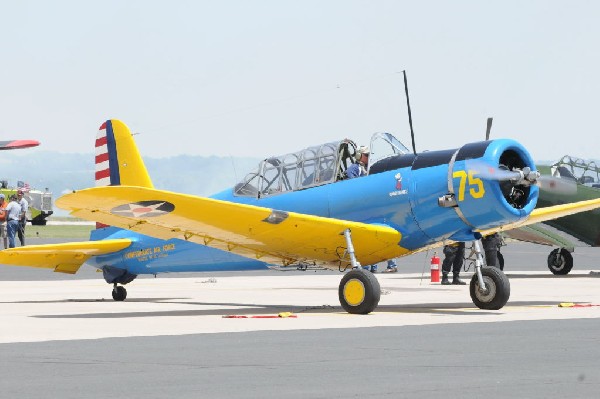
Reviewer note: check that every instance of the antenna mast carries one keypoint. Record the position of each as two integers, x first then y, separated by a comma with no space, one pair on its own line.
412,133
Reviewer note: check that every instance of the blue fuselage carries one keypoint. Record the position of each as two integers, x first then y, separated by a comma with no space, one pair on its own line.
403,195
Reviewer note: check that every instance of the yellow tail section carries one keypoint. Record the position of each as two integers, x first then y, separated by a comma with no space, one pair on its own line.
118,161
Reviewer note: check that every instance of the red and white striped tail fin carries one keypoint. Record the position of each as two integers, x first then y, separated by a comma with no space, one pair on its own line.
102,162
118,161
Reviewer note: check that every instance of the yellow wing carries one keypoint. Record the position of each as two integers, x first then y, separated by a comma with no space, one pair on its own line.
63,258
273,236
538,215
549,213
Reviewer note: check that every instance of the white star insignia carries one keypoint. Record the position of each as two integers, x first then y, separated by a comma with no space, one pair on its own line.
139,210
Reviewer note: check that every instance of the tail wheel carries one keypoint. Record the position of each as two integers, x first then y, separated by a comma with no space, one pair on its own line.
119,293
497,289
359,292
560,261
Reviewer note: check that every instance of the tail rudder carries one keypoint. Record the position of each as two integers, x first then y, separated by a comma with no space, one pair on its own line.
118,161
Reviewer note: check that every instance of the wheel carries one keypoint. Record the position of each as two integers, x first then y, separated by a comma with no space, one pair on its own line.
119,293
500,260
497,289
359,292
560,261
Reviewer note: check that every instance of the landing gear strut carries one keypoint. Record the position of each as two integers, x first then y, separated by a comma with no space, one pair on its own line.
119,293
489,288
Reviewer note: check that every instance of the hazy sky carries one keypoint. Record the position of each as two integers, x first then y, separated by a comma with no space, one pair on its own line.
259,78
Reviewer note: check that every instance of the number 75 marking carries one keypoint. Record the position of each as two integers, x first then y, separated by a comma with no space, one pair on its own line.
476,189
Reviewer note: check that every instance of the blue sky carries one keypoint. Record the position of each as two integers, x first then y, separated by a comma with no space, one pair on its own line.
260,78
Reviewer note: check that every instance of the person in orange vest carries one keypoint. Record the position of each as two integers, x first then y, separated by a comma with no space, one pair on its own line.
3,204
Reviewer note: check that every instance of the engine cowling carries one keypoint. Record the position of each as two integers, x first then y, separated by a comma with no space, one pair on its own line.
506,200
476,193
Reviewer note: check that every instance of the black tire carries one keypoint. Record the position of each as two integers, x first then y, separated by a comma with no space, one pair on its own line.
497,289
119,293
560,262
500,260
38,222
359,292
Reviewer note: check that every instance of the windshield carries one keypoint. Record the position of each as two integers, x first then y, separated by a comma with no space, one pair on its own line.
385,145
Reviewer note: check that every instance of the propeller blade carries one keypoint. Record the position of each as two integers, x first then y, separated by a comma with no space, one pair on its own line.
489,172
524,176
489,128
557,185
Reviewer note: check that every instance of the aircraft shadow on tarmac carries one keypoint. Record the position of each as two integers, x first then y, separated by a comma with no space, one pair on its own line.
95,300
244,309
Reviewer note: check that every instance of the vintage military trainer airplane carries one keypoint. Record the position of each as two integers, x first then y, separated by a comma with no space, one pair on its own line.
299,210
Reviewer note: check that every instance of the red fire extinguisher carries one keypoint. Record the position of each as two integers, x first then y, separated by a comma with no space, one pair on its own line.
435,268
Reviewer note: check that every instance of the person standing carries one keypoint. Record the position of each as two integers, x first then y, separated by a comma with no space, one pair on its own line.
13,216
454,256
491,244
23,219
391,266
3,205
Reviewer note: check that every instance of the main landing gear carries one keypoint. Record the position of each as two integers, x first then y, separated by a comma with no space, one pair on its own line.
359,290
489,288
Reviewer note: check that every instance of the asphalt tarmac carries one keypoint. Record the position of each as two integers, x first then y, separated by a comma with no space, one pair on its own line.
63,336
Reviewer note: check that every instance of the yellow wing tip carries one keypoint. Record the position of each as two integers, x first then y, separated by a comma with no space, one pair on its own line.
566,305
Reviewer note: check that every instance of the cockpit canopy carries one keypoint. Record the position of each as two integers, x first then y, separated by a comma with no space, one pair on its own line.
313,166
584,172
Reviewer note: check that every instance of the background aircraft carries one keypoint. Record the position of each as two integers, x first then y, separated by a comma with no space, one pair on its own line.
17,144
298,210
584,177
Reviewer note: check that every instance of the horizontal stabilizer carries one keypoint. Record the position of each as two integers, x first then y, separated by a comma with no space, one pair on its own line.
63,258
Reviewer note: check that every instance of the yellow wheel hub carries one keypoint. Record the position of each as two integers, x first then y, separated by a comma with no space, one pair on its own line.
354,292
